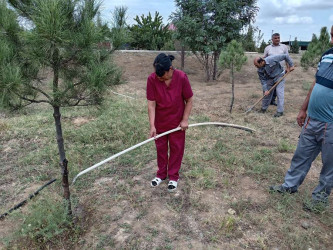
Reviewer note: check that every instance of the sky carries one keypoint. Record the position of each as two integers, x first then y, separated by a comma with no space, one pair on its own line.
290,18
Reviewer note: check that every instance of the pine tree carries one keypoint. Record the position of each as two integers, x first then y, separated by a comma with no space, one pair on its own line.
315,49
233,58
64,40
248,39
262,46
120,34
295,46
150,32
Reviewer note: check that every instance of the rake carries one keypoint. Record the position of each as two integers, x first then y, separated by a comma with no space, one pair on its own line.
272,88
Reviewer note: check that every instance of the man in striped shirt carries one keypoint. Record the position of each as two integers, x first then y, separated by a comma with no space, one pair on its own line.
316,137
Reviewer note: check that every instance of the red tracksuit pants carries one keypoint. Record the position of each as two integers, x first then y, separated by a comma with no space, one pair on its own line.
169,165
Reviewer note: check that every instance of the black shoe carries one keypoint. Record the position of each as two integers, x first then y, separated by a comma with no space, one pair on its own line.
281,189
273,103
262,111
278,114
316,206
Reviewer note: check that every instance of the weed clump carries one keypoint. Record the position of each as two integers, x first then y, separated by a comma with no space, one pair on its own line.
44,223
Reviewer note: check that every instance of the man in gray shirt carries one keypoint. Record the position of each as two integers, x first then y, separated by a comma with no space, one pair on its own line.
270,71
276,48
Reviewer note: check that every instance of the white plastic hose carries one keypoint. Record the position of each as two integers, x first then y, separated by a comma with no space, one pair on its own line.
122,95
158,136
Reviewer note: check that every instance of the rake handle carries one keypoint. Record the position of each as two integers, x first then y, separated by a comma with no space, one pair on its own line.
269,91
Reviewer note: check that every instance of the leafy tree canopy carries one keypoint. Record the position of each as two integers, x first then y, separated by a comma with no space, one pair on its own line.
207,26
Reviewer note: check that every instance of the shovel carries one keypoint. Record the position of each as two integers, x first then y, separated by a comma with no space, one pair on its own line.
272,88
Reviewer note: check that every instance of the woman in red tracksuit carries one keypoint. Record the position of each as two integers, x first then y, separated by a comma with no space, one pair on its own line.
170,98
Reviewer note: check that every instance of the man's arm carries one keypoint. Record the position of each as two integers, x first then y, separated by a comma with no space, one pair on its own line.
188,107
262,80
151,115
289,62
287,65
302,113
283,57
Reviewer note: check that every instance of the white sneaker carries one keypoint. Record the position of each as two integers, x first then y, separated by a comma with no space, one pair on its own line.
156,181
172,186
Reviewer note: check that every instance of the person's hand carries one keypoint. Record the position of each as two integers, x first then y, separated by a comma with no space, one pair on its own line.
301,118
266,93
289,69
152,132
184,125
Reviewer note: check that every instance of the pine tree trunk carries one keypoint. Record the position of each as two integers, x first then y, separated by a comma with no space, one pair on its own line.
60,140
63,161
232,87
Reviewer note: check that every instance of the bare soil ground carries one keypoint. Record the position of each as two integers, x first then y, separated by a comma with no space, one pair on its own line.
229,209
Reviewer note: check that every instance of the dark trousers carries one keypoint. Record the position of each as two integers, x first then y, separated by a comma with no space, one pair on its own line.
274,96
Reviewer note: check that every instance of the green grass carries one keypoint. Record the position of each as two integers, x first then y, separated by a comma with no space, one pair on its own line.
228,225
111,130
105,241
286,146
45,223
215,161
306,85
